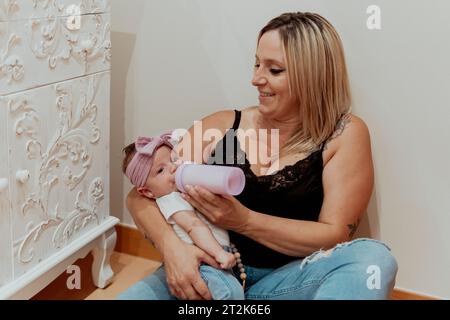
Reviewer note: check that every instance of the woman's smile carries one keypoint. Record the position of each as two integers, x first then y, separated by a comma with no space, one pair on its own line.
265,96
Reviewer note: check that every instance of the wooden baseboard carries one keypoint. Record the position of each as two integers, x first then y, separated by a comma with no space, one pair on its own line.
131,241
399,294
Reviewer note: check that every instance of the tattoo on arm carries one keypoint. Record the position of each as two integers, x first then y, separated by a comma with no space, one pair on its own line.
353,227
340,127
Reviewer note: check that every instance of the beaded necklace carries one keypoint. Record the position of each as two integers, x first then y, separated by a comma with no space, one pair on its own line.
237,255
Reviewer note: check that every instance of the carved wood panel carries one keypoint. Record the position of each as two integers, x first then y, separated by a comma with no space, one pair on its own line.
58,136
35,9
36,52
5,211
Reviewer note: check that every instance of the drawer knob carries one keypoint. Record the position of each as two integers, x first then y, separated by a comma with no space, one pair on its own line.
22,176
3,184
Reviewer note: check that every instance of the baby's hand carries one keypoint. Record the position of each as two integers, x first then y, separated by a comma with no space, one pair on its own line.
226,260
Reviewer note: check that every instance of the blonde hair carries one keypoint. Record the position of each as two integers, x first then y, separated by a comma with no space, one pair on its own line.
317,76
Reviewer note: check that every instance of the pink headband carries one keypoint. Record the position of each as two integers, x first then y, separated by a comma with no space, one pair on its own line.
139,167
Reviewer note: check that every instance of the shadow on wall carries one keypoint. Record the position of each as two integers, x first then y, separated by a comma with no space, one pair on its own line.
369,226
121,57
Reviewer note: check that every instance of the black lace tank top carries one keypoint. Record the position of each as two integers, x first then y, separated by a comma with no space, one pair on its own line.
294,192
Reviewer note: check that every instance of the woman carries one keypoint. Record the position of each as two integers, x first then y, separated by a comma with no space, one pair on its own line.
284,218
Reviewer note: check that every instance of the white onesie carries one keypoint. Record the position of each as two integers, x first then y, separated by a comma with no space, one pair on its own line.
172,203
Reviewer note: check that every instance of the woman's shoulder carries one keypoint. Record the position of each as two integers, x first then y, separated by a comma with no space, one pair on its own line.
224,119
351,133
347,128
352,127
196,142
221,120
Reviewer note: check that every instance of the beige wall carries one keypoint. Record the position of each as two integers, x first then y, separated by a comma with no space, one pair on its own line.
176,61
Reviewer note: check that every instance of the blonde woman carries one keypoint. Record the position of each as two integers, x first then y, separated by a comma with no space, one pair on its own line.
292,226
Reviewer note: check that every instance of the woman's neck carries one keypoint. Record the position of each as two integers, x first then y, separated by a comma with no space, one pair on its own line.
286,126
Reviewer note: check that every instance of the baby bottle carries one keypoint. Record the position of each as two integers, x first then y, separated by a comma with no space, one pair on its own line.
217,179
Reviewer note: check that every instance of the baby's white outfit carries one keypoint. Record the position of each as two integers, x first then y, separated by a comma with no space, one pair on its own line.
172,203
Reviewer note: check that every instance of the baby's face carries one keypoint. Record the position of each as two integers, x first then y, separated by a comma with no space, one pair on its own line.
161,179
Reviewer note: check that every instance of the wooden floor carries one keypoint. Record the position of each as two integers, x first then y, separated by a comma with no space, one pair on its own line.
127,270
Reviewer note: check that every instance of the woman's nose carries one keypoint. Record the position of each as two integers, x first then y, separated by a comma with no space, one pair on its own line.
258,78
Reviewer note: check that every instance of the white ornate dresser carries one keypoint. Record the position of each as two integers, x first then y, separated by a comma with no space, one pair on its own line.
54,142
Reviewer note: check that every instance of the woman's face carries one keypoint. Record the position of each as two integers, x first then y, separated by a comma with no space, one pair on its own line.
270,78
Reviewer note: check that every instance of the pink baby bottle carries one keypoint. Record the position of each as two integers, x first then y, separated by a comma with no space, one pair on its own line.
217,179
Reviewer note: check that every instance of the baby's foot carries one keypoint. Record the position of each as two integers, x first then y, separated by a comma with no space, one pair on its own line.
226,260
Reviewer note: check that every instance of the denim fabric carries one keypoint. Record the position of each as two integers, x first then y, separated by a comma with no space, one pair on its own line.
360,269
221,283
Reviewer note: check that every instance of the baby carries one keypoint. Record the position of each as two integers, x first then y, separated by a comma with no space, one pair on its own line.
150,169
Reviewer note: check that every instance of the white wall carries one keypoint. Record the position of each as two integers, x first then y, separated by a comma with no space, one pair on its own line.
176,61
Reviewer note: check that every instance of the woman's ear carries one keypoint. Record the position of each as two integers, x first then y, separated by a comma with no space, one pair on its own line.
143,191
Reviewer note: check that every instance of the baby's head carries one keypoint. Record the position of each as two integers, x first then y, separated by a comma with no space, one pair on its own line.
149,166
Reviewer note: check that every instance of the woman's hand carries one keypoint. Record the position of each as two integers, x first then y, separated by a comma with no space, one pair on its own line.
222,210
181,263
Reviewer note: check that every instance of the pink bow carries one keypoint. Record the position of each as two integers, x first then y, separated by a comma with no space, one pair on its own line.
139,167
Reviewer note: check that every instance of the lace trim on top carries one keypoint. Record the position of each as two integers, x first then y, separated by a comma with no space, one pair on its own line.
283,179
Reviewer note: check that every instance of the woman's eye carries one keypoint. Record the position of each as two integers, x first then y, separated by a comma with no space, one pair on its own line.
276,71
256,65
160,170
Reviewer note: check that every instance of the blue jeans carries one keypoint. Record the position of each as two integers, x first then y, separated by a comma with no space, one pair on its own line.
222,285
360,269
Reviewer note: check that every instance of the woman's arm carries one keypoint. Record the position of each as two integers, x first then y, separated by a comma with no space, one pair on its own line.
347,182
149,220
298,238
